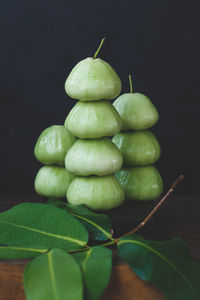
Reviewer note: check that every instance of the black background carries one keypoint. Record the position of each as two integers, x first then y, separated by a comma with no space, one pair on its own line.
156,41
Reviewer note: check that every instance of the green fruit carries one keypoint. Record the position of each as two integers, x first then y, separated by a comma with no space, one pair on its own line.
53,181
138,148
136,110
140,183
53,144
93,157
93,120
98,193
93,79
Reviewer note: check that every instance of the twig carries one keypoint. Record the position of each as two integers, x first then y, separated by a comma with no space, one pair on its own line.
143,223
156,208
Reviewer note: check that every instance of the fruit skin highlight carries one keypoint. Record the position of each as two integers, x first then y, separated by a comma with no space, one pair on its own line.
93,157
137,111
140,183
93,79
53,181
53,144
98,193
91,120
138,148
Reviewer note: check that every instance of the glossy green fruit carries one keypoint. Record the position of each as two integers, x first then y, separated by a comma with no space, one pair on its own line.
93,157
138,148
93,120
93,79
137,111
98,193
140,183
53,181
53,144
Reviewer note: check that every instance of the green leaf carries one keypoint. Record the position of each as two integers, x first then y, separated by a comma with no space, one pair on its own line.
9,252
167,264
96,265
53,201
53,276
41,225
98,225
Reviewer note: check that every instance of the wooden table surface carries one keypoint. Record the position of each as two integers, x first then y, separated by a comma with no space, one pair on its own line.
179,217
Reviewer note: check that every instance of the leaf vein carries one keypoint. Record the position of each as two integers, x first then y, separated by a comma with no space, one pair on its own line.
163,257
51,271
76,241
88,253
23,249
94,224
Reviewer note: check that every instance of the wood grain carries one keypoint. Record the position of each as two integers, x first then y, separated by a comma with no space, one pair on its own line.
124,284
11,278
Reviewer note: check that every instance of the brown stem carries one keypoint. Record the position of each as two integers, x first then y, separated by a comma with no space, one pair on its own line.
156,208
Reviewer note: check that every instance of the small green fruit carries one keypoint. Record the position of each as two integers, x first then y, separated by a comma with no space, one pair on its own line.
98,193
93,157
137,111
140,183
93,79
93,120
53,181
53,144
138,148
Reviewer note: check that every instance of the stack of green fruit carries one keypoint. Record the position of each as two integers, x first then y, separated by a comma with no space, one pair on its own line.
53,180
94,158
139,179
83,169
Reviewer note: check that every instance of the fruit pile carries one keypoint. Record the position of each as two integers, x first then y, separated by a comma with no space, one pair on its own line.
94,158
81,161
53,180
139,146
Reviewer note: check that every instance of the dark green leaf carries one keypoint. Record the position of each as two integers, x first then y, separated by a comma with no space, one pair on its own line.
98,225
9,252
41,225
167,264
56,202
53,276
96,265
53,201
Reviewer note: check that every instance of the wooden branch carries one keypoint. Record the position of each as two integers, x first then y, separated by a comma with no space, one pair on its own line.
156,208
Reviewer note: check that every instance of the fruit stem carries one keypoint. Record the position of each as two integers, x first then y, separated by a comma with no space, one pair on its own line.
109,243
130,83
79,250
156,208
96,53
